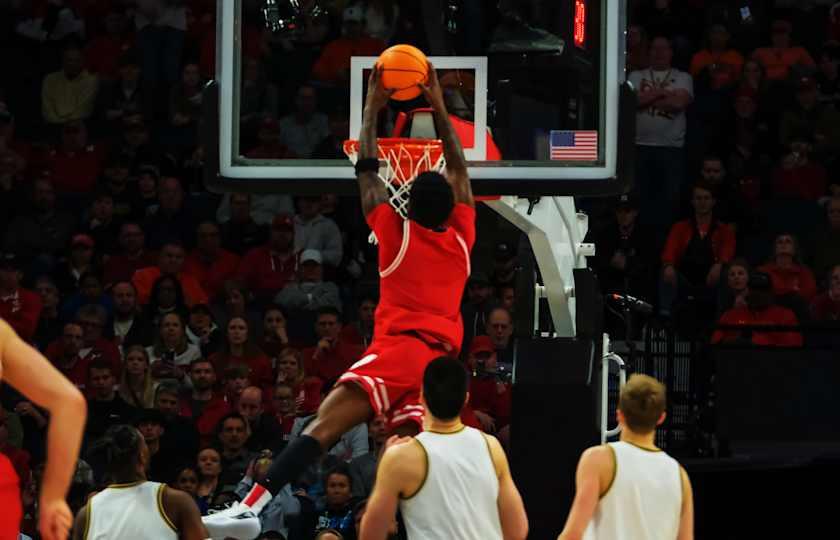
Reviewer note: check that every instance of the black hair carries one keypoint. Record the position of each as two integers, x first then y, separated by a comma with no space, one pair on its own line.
180,307
445,387
229,416
431,200
119,449
327,310
100,363
342,469
90,274
275,307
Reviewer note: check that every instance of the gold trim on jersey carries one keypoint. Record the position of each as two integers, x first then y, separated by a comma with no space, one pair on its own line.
490,452
425,471
459,430
88,516
643,447
615,472
124,485
162,510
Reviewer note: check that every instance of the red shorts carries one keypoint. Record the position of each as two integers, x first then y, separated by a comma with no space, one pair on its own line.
10,506
391,372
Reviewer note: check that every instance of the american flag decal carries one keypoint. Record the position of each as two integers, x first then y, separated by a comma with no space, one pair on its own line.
574,145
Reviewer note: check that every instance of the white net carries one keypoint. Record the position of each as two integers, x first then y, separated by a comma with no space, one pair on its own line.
404,160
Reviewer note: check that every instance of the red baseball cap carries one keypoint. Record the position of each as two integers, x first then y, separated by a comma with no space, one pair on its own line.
82,240
482,344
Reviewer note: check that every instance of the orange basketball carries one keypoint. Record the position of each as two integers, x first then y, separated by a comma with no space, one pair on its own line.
404,67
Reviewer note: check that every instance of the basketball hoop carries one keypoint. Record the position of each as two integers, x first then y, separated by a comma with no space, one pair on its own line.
404,159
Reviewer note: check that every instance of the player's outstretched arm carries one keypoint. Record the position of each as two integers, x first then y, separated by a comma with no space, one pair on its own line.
182,510
456,163
36,378
687,516
511,508
371,188
401,471
594,466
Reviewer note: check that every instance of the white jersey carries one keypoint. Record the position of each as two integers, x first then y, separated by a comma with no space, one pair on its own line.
644,501
129,511
459,496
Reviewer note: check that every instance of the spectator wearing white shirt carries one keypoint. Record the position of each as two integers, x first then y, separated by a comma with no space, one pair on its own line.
315,231
664,94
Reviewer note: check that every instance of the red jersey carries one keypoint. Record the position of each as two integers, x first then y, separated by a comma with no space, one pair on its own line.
422,274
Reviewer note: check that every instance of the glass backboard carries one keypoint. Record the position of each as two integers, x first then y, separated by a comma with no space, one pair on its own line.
535,90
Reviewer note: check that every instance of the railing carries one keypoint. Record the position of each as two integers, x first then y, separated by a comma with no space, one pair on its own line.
688,368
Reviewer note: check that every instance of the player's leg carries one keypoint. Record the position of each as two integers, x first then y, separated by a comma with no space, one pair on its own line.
347,405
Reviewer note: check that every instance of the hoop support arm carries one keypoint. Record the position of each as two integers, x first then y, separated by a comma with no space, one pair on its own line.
556,232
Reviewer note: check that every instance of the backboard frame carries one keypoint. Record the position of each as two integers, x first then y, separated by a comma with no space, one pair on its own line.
613,175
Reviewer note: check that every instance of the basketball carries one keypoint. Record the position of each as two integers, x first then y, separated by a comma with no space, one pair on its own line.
404,67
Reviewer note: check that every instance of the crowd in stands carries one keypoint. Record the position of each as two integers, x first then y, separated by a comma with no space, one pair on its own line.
216,324
734,217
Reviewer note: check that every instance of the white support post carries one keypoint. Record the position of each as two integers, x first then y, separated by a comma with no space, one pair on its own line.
556,232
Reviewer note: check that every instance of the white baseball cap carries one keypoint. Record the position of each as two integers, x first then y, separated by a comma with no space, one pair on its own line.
311,255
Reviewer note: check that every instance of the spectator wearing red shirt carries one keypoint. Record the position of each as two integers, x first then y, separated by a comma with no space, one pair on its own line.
202,404
307,389
211,265
490,398
19,307
826,306
781,55
103,53
92,318
759,311
798,176
695,251
76,164
333,66
790,278
64,354
266,270
331,357
170,263
240,349
133,257
235,379
717,63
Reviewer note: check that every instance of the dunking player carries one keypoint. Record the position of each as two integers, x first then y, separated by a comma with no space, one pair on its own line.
424,263
631,489
35,377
